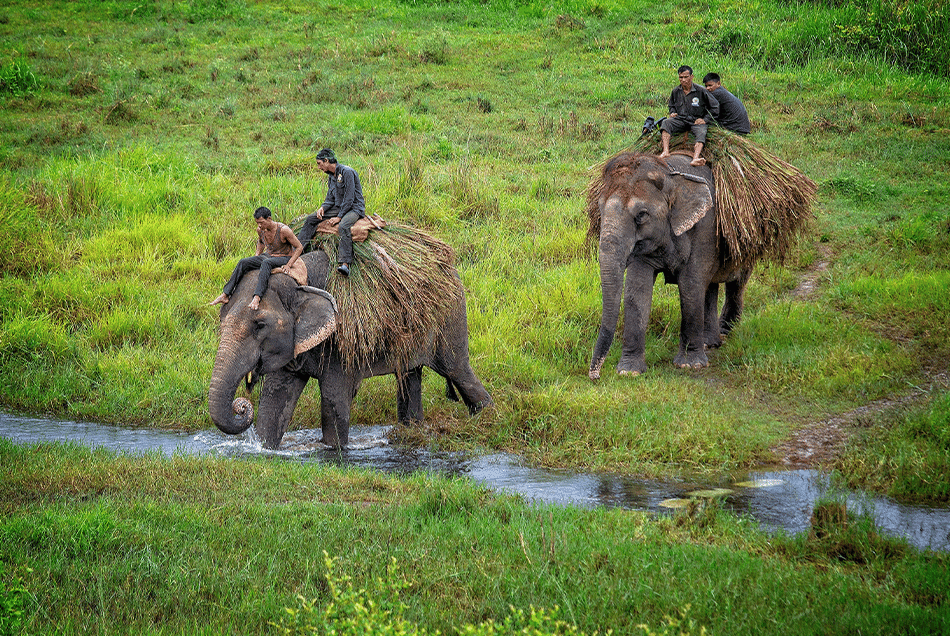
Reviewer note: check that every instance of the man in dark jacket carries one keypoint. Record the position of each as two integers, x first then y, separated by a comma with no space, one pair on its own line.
688,106
732,113
344,206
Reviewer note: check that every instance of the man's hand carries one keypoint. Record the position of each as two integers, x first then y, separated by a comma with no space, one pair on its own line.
334,221
700,121
320,213
279,270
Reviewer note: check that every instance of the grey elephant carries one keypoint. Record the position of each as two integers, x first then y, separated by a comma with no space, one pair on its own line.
656,216
290,339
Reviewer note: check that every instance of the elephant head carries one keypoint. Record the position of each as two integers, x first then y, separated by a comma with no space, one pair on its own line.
290,321
647,208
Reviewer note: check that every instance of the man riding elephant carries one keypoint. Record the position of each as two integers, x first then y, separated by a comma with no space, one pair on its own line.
277,251
343,206
689,105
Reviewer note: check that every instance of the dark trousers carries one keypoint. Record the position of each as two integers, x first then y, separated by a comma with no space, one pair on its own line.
245,265
345,250
676,125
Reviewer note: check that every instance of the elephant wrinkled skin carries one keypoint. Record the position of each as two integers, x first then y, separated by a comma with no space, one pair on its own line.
660,216
288,340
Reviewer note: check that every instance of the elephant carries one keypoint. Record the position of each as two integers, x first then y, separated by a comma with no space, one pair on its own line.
289,340
658,216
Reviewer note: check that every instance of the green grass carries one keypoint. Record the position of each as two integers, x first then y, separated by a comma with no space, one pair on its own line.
130,170
904,454
137,138
104,542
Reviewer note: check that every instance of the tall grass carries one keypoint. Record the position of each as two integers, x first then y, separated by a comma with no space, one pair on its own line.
130,175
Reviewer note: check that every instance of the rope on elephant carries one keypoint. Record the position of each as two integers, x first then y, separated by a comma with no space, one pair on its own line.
402,287
764,203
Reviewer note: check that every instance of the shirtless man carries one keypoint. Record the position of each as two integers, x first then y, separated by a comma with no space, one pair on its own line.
688,105
282,250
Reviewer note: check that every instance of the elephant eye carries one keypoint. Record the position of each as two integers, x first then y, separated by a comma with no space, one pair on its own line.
640,218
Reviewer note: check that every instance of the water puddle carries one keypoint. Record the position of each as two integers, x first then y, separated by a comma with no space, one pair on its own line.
778,500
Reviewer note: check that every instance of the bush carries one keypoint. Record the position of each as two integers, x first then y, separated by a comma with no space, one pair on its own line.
359,612
12,597
17,78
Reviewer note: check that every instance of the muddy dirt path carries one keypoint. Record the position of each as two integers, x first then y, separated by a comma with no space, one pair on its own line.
820,443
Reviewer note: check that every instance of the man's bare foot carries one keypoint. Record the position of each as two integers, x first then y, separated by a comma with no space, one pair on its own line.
220,300
255,302
698,161
664,154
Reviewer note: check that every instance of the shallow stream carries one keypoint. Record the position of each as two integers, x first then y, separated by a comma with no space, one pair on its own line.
778,499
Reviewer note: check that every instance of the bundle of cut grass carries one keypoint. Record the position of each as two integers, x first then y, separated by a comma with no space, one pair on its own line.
764,203
401,288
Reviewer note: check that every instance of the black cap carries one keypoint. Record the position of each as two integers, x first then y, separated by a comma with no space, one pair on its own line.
327,155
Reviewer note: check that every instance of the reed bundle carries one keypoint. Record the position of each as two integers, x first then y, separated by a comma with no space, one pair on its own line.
764,203
401,289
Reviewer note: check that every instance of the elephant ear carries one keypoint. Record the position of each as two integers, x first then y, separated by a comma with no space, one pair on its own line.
692,199
316,318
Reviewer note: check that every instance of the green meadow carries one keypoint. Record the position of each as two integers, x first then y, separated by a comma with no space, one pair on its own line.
137,138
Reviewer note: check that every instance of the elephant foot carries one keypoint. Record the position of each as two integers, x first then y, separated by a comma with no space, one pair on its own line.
631,367
691,360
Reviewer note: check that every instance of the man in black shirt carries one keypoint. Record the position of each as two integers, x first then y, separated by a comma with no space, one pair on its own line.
689,105
732,114
344,206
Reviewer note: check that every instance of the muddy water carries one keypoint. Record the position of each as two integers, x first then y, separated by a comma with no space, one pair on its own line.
781,500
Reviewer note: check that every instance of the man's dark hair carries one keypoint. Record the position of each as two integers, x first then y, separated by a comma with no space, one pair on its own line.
683,69
712,77
262,213
327,155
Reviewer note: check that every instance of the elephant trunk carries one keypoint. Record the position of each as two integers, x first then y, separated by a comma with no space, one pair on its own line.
611,284
231,417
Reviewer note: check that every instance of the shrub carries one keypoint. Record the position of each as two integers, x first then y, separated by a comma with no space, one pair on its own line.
17,78
359,612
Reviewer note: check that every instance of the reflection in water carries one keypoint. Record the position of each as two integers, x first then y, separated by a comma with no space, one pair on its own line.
778,500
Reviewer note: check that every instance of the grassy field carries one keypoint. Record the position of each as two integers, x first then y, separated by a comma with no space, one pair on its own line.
136,139
100,543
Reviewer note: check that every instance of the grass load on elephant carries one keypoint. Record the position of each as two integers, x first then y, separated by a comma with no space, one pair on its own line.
401,287
763,202
700,226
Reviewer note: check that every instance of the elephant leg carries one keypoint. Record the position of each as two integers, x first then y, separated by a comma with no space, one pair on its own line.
409,396
692,352
450,393
711,321
450,360
470,388
337,391
638,298
279,395
732,305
